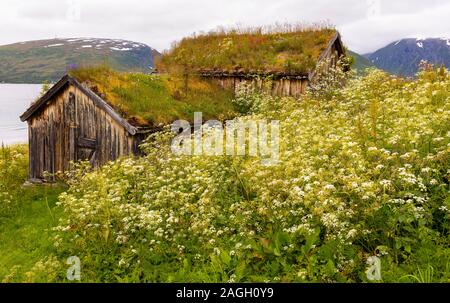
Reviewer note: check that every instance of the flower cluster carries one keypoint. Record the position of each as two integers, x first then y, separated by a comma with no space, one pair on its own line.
368,168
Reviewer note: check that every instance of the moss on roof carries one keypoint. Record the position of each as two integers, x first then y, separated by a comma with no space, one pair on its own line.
152,100
288,49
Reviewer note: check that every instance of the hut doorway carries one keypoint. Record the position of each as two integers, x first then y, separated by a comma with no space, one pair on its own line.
80,148
73,127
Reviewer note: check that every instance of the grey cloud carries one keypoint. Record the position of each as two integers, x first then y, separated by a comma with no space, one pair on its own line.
42,10
158,23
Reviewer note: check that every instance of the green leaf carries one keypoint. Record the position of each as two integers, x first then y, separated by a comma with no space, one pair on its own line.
408,248
225,257
277,252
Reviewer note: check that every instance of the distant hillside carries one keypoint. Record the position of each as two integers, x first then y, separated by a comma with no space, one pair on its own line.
403,57
360,63
37,61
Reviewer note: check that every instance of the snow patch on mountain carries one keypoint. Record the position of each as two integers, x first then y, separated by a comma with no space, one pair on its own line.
55,45
120,49
402,57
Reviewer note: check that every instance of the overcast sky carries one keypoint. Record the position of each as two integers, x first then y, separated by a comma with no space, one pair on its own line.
365,25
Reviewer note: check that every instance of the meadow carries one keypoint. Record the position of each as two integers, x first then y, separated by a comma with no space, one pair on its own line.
27,214
364,171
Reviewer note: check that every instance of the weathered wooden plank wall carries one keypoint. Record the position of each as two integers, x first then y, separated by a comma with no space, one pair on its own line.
281,84
72,128
280,87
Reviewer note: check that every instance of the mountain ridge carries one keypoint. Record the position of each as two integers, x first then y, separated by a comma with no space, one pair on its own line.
360,63
37,61
402,57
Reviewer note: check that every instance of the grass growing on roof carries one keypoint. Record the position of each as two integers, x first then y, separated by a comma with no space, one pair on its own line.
288,48
150,100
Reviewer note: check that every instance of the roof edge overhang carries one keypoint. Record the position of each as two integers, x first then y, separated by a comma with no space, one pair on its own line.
35,106
335,40
68,80
251,74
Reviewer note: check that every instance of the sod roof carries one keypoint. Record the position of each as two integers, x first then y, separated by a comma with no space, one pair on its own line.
153,100
291,50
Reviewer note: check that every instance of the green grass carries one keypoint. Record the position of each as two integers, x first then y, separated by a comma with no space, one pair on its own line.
27,214
363,172
288,48
149,100
25,238
351,177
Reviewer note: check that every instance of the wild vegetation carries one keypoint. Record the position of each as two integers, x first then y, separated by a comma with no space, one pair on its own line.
13,170
281,48
364,171
27,215
151,100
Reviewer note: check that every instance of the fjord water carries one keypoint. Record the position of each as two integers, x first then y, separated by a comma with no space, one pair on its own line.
14,100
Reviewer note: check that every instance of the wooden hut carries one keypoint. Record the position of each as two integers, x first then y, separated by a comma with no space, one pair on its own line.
71,123
78,120
283,64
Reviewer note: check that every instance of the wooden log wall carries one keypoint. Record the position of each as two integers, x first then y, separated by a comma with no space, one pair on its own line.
281,84
72,128
281,87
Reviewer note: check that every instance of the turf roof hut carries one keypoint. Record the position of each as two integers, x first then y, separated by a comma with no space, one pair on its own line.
99,115
288,57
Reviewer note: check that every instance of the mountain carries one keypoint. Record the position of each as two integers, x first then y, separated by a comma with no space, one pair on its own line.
360,63
403,57
37,61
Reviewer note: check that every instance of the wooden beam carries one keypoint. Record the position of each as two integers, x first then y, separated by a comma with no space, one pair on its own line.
104,106
251,74
336,39
87,143
43,100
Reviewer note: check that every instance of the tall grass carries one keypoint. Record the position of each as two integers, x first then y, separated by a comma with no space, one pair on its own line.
13,172
27,215
150,100
363,172
292,48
